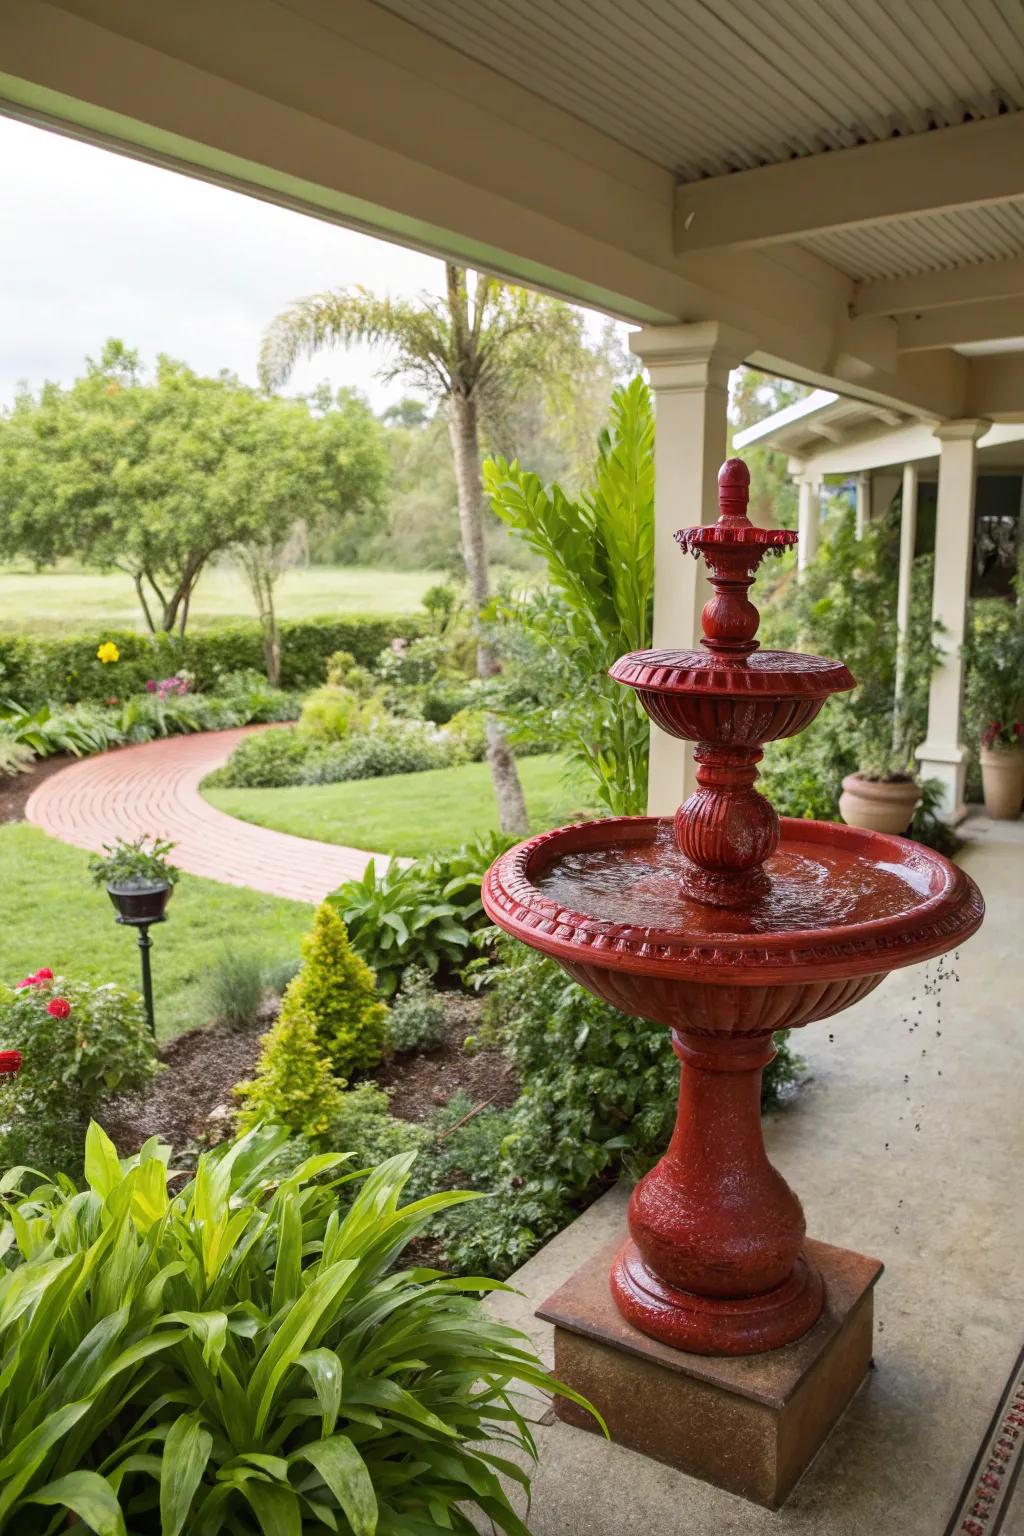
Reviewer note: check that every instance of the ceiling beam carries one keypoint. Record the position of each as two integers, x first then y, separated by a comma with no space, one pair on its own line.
996,320
941,290
924,173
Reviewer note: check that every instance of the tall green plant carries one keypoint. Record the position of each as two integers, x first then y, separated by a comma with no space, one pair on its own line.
599,552
239,1355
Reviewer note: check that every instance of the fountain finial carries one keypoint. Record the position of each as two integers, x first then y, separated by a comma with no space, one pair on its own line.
732,549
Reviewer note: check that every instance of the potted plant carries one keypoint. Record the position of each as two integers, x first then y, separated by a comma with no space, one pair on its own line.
883,794
138,878
994,697
1002,769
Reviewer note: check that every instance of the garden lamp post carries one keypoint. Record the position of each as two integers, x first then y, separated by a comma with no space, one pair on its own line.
140,909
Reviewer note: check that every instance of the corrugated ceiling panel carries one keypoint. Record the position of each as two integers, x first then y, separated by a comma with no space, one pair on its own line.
708,86
932,242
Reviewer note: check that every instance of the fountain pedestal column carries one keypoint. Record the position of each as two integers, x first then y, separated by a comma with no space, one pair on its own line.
715,1263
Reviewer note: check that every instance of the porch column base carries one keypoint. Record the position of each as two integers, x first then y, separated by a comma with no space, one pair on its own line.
947,764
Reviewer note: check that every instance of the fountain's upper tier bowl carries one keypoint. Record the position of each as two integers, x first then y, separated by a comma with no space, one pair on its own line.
842,903
735,701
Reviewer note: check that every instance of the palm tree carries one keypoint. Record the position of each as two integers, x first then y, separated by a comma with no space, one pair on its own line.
472,351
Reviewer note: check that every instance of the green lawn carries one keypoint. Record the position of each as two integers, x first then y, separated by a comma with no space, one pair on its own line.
51,914
408,813
68,599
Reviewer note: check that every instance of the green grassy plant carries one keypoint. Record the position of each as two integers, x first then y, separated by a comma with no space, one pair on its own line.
241,1356
236,985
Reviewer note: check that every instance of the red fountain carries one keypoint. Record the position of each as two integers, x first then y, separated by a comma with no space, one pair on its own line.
726,924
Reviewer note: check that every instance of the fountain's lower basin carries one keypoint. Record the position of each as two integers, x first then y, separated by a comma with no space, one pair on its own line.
716,1263
842,904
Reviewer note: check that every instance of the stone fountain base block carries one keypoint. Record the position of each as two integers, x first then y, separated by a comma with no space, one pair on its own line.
750,1425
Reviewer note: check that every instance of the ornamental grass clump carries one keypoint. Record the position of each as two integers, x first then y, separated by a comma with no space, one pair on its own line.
238,1356
79,1043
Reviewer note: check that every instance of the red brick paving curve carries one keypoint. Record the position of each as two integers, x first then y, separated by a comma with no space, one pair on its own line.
154,789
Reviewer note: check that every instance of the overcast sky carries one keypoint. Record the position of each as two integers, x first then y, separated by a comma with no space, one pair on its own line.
96,245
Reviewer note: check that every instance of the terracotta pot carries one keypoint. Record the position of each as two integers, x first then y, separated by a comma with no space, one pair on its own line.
882,805
1002,778
138,904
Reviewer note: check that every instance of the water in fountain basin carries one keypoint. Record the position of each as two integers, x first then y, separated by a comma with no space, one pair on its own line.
812,886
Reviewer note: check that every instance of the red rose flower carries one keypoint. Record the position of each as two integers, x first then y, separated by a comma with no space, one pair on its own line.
43,975
10,1063
26,981
58,1007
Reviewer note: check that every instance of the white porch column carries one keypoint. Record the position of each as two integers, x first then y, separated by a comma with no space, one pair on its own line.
908,536
942,755
863,503
809,520
688,367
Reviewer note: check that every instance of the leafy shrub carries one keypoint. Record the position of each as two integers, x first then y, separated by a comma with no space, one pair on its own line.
343,671
330,712
416,1019
467,731
172,1334
388,747
294,1085
457,877
397,919
15,755
46,732
236,985
365,1129
410,663
267,760
64,669
79,1042
444,698
277,759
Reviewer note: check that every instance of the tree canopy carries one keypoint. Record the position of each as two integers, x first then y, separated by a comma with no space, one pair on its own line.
156,475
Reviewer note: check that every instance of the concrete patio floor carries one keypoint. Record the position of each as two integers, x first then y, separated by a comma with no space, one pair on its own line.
905,1143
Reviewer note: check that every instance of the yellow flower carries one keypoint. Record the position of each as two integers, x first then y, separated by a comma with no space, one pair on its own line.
108,651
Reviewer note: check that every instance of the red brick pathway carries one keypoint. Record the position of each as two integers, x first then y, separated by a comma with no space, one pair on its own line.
154,789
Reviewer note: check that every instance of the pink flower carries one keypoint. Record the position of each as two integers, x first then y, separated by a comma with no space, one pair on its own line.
45,974
58,1007
151,686
10,1063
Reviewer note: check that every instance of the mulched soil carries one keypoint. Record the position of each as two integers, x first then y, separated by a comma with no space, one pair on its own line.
203,1066
420,1084
200,1069
14,792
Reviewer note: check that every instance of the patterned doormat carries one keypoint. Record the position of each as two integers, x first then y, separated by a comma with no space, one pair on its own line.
988,1491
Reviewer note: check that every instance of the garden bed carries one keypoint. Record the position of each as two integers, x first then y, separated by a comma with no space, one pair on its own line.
15,791
203,1066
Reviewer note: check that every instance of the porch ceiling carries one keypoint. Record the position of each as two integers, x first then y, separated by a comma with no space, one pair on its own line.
842,181
706,87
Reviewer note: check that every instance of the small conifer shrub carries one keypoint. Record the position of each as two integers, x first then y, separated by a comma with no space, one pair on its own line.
294,1085
339,991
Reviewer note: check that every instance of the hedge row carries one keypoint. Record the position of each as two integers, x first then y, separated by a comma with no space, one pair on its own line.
65,670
